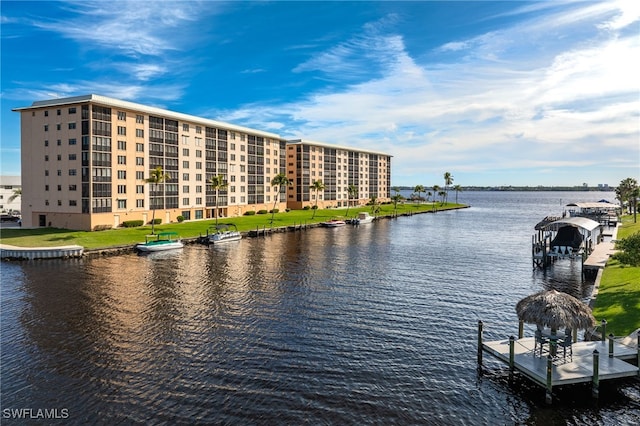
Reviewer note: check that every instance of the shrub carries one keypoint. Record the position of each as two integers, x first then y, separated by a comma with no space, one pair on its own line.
263,211
156,221
274,211
306,208
287,210
249,213
630,250
180,218
132,223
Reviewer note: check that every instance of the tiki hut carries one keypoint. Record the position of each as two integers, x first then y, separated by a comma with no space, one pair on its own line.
554,309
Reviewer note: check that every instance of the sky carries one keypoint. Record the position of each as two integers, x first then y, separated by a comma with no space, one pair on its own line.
494,93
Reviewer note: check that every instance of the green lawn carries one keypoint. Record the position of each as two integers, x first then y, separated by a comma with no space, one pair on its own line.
618,298
51,237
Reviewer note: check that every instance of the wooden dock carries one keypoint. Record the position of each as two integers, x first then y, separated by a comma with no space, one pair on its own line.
592,361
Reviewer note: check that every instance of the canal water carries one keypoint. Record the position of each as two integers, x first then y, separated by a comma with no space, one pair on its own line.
374,324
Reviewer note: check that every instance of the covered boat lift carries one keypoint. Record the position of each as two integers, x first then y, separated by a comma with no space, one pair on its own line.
565,237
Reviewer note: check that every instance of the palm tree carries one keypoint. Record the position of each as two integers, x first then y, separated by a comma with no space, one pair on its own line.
156,177
16,193
457,188
443,196
217,183
448,180
374,204
317,186
428,194
395,198
279,180
352,190
628,190
419,189
436,191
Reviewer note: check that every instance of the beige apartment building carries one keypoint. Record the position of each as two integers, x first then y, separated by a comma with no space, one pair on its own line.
85,160
338,168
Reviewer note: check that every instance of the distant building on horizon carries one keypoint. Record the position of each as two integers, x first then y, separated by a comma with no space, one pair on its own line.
85,160
8,186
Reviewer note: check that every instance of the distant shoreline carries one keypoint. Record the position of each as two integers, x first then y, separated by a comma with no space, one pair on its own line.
528,188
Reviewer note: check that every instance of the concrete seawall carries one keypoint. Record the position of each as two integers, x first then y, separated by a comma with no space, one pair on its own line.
30,253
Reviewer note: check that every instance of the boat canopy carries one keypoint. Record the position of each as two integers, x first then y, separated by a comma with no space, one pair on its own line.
598,205
580,222
568,236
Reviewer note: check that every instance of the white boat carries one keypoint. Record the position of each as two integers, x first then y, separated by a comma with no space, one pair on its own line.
364,217
160,242
333,223
223,233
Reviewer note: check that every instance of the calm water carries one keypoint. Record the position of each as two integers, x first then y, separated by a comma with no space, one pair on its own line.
368,325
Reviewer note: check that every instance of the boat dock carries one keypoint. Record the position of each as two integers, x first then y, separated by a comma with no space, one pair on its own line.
591,361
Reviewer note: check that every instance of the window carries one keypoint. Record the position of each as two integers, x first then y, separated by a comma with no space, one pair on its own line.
46,187
198,164
139,161
185,164
58,126
72,157
185,201
185,127
140,119
72,110
233,200
198,141
72,126
198,177
58,112
73,188
73,172
185,140
233,136
46,172
46,143
46,113
139,203
232,188
185,176
122,204
122,159
233,178
233,157
59,172
122,189
139,133
198,129
122,145
199,188
139,147
46,127
59,202
59,157
122,115
72,141
73,203
122,131
199,201
185,189
59,142
139,189
233,145
122,174
59,187
46,158
139,175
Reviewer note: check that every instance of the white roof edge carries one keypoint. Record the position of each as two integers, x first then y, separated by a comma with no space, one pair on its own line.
328,145
105,100
581,222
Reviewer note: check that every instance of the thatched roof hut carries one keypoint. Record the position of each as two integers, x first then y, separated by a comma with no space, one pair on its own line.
554,309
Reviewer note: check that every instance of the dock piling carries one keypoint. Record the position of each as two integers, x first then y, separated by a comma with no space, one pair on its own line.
604,330
548,394
512,344
610,345
520,329
480,343
595,384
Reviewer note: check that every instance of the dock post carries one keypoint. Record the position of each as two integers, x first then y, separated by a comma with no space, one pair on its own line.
520,329
638,346
604,330
512,344
595,384
479,343
548,396
610,345
575,335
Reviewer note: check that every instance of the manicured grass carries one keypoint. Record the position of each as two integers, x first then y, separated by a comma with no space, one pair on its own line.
618,298
52,237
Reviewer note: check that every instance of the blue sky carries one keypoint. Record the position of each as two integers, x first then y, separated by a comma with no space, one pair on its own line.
496,93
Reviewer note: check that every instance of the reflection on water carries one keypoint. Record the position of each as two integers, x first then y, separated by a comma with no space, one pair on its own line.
375,324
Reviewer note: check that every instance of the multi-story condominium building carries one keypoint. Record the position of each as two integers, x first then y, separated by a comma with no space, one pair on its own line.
338,168
85,161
